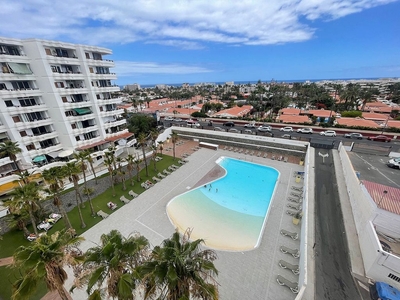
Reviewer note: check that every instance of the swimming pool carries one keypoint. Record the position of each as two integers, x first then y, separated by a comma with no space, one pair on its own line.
228,213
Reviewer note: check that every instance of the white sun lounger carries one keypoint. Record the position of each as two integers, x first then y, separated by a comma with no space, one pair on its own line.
161,175
124,199
166,172
294,252
295,200
291,285
296,188
156,179
294,206
102,214
285,265
292,235
132,194
296,195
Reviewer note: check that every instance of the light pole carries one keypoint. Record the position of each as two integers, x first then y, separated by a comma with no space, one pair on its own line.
384,127
383,195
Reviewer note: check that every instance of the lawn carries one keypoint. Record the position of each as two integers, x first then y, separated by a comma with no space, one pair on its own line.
14,238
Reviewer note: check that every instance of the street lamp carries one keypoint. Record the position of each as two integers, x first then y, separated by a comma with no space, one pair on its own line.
383,195
384,126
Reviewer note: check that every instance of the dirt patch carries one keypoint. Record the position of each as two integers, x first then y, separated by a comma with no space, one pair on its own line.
6,261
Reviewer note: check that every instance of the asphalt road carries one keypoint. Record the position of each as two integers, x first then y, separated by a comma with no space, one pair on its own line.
333,277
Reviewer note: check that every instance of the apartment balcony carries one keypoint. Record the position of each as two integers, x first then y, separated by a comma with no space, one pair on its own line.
110,101
94,141
2,127
78,118
122,133
5,161
101,63
61,60
110,124
39,137
68,91
111,113
110,76
27,109
13,77
68,76
31,92
88,129
28,125
72,105
111,89
42,151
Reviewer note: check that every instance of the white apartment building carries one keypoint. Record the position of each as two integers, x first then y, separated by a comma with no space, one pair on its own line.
56,97
132,87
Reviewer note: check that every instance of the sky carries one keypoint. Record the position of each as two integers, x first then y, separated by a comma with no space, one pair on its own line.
177,41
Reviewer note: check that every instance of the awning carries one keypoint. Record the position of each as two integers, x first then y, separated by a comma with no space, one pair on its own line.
65,153
118,137
92,145
83,111
39,158
54,154
20,68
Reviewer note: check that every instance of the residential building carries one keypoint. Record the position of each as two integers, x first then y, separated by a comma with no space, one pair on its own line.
132,87
56,96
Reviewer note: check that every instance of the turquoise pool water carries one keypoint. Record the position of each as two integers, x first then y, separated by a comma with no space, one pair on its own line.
230,212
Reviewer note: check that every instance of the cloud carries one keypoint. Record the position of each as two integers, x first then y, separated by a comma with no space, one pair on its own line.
129,68
186,23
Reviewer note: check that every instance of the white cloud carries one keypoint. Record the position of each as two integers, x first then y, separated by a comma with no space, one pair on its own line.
129,68
184,23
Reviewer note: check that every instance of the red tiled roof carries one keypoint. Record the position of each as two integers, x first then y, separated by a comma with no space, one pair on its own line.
389,201
290,111
393,123
124,135
319,113
293,119
357,122
235,111
374,116
92,145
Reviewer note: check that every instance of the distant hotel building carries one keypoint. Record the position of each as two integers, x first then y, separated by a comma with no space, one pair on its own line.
132,87
55,97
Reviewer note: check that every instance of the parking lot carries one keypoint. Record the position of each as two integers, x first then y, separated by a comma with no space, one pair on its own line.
373,168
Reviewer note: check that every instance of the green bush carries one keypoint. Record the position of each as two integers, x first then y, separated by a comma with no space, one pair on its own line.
198,114
352,114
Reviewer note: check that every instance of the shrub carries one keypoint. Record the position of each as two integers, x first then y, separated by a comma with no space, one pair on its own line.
352,114
198,114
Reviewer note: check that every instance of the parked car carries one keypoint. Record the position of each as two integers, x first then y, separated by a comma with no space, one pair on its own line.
264,128
250,125
218,128
354,135
248,131
380,138
168,119
178,120
192,123
328,133
286,136
234,130
394,163
305,130
229,124
286,129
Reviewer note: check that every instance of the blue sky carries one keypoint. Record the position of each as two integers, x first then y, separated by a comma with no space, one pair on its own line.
155,41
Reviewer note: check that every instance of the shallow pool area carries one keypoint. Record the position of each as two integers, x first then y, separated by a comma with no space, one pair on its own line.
230,212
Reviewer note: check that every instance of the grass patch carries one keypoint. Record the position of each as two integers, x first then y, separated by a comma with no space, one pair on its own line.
15,238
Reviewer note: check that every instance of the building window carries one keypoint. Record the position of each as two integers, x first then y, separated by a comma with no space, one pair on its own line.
59,84
9,103
23,133
48,51
30,147
3,86
77,138
87,55
90,69
394,277
16,119
64,99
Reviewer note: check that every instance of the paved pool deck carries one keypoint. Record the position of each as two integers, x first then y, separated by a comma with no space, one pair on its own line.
242,275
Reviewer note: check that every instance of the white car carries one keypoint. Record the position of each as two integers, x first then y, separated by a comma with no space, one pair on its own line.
264,128
250,125
234,130
328,133
305,130
286,129
394,163
44,226
168,119
178,120
218,128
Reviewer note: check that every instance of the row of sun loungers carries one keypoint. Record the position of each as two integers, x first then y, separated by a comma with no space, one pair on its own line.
291,285
285,265
293,252
292,235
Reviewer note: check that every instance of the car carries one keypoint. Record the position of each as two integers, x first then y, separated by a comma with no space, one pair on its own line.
328,133
286,136
250,125
394,163
286,129
178,120
191,123
305,130
380,138
354,135
234,130
44,226
248,131
264,128
229,124
168,119
218,128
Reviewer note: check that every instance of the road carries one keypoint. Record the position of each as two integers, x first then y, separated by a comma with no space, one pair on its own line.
333,278
294,135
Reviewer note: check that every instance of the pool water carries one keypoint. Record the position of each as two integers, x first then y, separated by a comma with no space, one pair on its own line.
228,213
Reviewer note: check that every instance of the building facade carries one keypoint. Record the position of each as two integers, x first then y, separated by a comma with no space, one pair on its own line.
56,97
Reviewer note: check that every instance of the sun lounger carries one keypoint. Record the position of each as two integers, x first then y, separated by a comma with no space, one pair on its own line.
175,167
259,154
156,179
252,153
166,172
235,150
171,168
145,185
294,206
112,205
161,175
181,162
246,152
292,235
102,214
185,160
230,149
132,194
280,158
291,285
124,199
292,213
158,158
295,200
297,188
296,195
265,155
294,252
185,155
273,157
225,148
285,265
241,151
285,159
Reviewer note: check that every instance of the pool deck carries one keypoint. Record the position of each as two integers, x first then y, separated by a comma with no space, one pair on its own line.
242,275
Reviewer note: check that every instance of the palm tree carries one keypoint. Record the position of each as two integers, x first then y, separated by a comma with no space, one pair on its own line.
26,197
18,218
109,162
174,139
54,178
114,261
24,176
137,163
81,157
10,149
161,146
179,269
45,259
72,170
90,161
154,156
121,172
130,161
142,142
